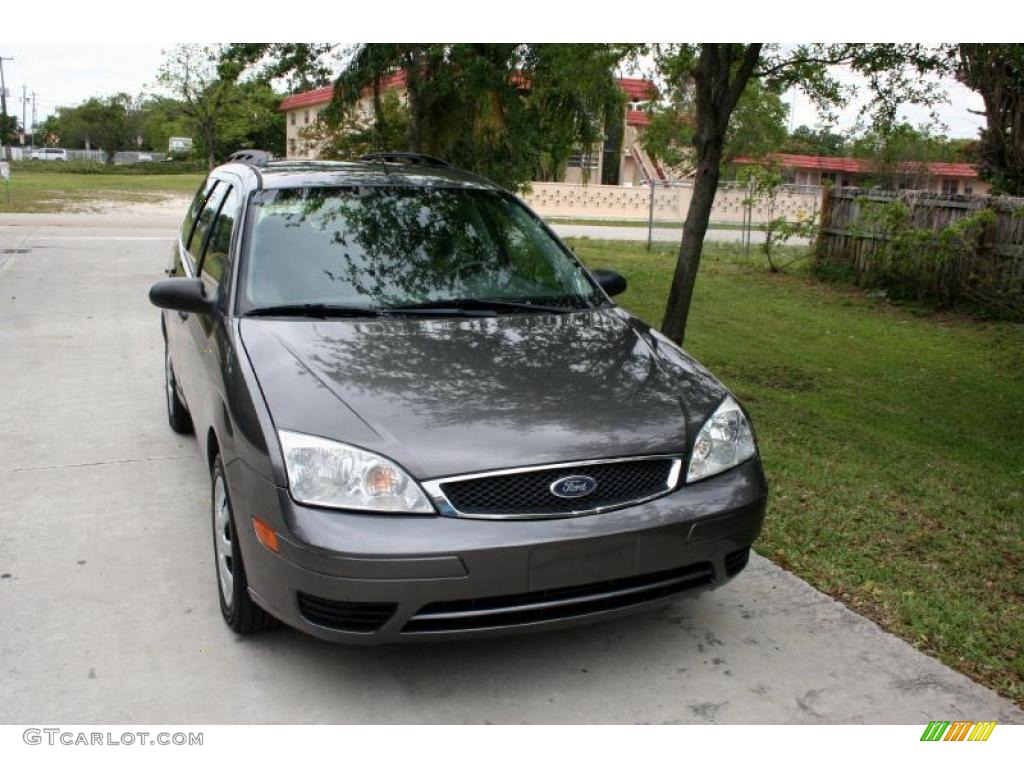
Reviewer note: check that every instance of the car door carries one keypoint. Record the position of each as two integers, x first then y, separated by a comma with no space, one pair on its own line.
209,332
184,355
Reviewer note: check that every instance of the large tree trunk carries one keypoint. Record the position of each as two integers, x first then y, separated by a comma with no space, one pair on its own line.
720,76
705,186
993,71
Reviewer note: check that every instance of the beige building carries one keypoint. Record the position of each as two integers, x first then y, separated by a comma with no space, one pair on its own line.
814,171
620,163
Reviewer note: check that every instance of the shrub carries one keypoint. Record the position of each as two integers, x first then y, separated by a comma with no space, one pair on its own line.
156,168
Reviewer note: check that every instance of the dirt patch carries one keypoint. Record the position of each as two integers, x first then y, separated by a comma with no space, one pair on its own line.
129,204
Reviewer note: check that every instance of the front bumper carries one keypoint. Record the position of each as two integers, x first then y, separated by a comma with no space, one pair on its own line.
379,578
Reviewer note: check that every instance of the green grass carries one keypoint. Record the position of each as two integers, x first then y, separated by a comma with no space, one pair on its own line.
49,192
893,440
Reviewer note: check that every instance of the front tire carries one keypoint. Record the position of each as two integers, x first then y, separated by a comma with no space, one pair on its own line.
239,610
177,414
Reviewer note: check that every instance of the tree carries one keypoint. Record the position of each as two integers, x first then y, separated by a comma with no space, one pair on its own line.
109,122
996,72
765,183
353,135
721,73
758,126
898,154
209,101
8,130
161,117
808,141
304,66
510,111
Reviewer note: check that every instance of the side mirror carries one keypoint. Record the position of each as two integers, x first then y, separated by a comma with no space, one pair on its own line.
611,281
183,294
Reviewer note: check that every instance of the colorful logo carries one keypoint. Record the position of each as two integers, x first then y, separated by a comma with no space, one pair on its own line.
958,730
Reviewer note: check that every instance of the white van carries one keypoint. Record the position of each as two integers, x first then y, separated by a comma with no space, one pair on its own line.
59,155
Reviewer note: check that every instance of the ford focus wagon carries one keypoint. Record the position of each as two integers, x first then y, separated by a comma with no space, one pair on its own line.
424,418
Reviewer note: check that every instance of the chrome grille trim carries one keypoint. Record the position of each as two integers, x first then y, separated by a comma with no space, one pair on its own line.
445,507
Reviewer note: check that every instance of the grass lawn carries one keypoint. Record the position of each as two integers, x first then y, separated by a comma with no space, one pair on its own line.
60,192
893,440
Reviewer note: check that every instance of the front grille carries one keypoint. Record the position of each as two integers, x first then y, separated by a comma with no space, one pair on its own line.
619,483
561,603
351,617
736,561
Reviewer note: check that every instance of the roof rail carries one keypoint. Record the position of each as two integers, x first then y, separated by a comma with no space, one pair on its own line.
408,158
250,157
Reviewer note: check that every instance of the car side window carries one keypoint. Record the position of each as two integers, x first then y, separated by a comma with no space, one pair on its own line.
198,202
215,260
205,221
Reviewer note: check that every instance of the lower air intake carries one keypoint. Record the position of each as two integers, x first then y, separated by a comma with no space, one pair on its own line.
350,617
736,561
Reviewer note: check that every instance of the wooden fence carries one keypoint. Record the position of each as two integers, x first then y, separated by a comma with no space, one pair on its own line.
935,248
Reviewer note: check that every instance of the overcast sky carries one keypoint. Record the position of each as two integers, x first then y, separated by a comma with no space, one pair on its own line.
67,74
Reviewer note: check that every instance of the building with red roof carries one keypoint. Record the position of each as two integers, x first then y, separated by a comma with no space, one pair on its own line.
302,111
815,170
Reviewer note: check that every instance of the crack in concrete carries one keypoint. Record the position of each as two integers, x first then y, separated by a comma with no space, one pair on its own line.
91,464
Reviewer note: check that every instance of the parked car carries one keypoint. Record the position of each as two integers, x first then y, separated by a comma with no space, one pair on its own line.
425,418
50,153
144,157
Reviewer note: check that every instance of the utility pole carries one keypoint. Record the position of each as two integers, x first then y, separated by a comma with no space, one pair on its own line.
3,104
24,113
33,119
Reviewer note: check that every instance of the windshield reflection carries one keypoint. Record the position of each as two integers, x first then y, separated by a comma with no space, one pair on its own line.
392,246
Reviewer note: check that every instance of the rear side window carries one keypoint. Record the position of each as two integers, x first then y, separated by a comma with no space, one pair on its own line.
194,209
205,221
215,260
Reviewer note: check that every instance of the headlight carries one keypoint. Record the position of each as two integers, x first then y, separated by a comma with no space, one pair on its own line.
724,441
330,474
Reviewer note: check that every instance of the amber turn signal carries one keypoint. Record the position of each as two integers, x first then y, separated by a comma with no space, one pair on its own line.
266,534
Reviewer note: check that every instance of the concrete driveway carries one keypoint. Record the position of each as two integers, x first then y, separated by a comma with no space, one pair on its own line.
107,596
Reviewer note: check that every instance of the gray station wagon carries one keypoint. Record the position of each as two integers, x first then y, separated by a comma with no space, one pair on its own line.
425,418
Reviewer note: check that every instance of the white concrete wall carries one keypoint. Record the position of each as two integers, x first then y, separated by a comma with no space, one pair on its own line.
595,201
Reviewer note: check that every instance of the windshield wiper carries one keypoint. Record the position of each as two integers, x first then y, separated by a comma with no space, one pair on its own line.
315,310
480,304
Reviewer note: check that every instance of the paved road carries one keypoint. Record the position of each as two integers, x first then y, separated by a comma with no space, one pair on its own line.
661,234
107,597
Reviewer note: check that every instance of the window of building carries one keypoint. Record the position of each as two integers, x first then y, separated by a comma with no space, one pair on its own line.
307,117
950,186
291,116
968,188
579,159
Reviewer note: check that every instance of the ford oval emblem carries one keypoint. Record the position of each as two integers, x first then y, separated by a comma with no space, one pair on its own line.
573,487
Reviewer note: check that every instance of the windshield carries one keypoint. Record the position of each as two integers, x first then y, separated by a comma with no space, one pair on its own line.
387,247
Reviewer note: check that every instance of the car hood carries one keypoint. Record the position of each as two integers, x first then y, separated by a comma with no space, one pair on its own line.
445,396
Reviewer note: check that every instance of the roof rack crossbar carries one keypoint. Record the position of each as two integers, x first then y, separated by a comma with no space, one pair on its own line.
409,158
